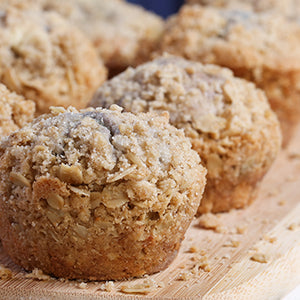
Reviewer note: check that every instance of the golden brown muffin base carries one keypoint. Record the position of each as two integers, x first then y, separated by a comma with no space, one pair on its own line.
97,194
233,182
138,258
233,196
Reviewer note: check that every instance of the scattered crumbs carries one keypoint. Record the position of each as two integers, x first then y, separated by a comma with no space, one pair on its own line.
232,243
108,286
254,248
38,275
260,257
201,264
5,273
293,227
226,256
212,222
202,252
145,287
184,276
241,229
193,249
181,267
82,285
270,239
281,202
64,280
221,229
294,155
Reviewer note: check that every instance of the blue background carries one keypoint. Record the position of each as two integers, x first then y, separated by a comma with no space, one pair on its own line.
161,7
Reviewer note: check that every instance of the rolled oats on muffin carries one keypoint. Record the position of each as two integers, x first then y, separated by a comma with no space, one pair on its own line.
263,48
123,33
228,120
97,194
288,8
15,111
46,59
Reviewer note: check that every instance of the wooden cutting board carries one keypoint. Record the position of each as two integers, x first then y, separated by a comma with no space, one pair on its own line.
269,228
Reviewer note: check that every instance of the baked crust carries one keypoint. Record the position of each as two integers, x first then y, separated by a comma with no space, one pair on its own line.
97,194
263,48
46,59
288,8
123,33
228,120
15,111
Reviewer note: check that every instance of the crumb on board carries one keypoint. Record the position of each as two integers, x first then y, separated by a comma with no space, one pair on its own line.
201,264
266,221
5,273
38,274
226,256
184,276
281,202
82,285
108,286
294,155
241,229
193,249
293,227
270,239
145,287
260,257
232,243
212,222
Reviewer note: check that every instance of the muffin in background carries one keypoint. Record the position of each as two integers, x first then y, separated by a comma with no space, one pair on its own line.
15,111
97,194
45,58
123,33
287,8
228,120
262,48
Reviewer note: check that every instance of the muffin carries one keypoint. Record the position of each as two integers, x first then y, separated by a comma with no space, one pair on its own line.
46,59
15,111
288,8
262,48
123,33
228,120
97,194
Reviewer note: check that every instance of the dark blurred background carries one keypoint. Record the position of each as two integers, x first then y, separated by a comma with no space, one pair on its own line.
162,7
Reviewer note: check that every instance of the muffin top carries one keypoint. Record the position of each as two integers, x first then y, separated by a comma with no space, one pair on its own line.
288,8
15,111
233,38
45,58
110,160
204,100
117,28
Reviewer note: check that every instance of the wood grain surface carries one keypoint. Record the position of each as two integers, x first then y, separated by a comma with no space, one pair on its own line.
269,228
